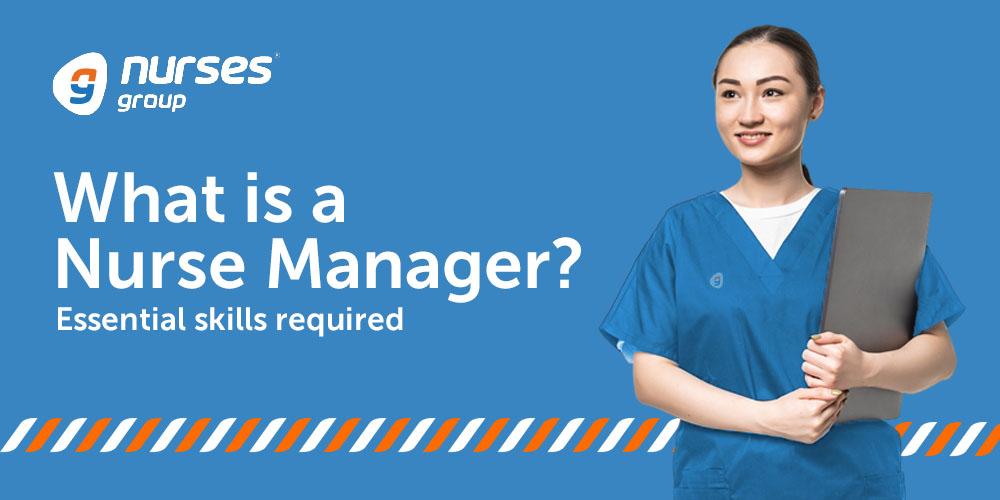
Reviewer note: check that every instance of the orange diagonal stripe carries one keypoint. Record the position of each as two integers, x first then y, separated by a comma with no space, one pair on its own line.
591,435
292,435
990,442
902,427
243,434
193,434
491,434
43,434
143,434
345,430
95,432
942,439
641,434
390,437
543,432
442,434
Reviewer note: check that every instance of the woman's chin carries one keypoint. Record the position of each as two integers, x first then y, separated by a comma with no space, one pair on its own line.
756,160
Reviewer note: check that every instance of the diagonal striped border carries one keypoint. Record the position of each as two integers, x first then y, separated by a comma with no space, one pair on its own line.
329,435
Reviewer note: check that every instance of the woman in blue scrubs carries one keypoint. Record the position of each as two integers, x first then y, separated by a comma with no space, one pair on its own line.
726,336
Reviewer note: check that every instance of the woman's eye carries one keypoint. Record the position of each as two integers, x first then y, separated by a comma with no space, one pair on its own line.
726,94
773,92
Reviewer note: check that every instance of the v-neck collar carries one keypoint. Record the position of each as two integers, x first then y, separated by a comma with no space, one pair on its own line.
772,271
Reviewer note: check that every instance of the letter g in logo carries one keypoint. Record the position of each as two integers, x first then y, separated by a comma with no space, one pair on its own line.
85,87
79,85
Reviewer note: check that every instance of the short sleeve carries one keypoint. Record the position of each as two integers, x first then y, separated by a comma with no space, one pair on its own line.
643,312
936,299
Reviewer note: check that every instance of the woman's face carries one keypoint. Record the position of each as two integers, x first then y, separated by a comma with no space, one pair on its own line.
762,105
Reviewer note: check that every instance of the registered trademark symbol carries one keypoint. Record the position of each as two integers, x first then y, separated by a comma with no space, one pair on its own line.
277,54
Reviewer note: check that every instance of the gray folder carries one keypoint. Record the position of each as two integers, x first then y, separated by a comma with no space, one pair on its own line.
878,249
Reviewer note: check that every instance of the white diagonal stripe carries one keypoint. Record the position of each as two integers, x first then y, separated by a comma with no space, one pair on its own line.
466,435
665,435
516,435
268,434
967,439
18,435
68,435
416,435
615,435
918,438
168,434
217,435
116,437
367,434
317,435
565,435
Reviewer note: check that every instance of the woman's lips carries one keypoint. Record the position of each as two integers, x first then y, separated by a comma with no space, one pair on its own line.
753,139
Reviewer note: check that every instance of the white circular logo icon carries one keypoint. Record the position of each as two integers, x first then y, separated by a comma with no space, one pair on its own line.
79,85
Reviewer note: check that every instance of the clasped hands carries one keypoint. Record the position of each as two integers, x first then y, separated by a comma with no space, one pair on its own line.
832,364
833,360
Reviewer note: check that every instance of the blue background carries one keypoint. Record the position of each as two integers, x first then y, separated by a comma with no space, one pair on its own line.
450,126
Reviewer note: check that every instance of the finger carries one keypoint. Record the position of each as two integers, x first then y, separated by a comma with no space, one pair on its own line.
828,422
817,360
823,349
814,347
825,414
839,400
823,435
840,408
822,393
815,371
827,337
825,405
812,381
826,427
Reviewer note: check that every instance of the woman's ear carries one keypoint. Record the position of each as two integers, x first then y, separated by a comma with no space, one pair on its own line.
817,103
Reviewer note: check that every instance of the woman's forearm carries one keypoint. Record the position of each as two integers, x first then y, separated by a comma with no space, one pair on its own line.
922,362
664,385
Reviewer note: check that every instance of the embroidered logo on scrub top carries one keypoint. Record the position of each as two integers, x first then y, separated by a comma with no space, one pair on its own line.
716,280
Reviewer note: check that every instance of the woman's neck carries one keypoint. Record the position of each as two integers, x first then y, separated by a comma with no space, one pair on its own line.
770,186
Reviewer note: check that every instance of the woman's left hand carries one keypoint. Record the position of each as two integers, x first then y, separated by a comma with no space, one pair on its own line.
835,361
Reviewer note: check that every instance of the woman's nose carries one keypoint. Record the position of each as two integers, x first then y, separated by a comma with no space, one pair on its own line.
751,114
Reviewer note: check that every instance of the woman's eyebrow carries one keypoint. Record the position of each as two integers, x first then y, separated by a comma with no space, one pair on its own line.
762,80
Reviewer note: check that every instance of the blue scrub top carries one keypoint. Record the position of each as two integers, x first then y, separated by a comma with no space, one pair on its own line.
704,293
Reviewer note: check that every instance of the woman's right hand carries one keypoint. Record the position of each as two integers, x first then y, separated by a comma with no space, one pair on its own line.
804,415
